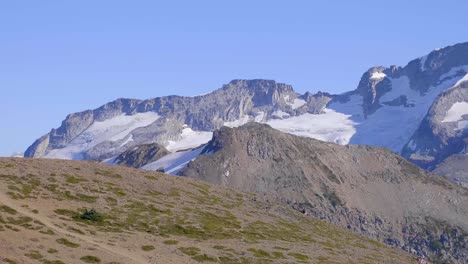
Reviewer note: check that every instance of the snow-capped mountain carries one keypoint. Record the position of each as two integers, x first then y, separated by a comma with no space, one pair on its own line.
419,111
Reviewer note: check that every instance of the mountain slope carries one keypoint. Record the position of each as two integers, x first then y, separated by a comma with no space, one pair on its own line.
370,190
396,107
141,155
455,168
146,217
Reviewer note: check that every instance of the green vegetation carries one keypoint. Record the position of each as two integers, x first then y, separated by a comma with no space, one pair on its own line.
90,259
204,258
147,248
67,243
259,253
52,251
45,261
171,242
278,255
8,210
281,248
65,212
299,256
22,189
34,255
151,177
91,215
73,180
108,174
9,261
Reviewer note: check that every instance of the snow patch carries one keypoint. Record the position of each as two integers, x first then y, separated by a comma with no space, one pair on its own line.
464,79
395,124
189,139
18,154
422,61
128,140
454,73
174,162
352,107
377,75
456,112
112,129
329,126
297,103
259,117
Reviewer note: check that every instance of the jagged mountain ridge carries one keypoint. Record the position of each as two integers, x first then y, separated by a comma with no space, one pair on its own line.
390,107
369,190
163,119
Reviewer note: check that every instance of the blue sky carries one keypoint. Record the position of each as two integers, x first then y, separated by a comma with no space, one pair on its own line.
59,57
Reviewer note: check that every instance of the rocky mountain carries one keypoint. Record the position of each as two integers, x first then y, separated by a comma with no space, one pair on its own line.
141,155
419,111
369,190
56,211
455,168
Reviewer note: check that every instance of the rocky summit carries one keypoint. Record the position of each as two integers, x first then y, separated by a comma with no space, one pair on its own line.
369,190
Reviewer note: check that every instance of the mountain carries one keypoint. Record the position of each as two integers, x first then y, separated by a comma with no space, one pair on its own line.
455,168
141,155
55,211
369,190
419,111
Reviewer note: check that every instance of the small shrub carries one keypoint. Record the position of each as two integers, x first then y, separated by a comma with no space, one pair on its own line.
8,210
259,253
67,243
90,259
52,251
204,258
171,242
299,256
147,248
91,215
34,255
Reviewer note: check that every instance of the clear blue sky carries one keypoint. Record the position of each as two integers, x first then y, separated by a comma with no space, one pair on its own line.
59,57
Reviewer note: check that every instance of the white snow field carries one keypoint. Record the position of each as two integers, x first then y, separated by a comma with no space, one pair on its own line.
456,113
329,126
112,129
396,124
174,162
190,139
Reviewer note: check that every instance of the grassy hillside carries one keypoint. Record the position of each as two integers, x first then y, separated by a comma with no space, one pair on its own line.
81,212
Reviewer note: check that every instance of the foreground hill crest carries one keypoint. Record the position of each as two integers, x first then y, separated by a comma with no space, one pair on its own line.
148,217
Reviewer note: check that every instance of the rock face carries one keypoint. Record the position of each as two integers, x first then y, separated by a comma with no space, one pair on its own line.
441,133
141,155
401,108
160,120
370,190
